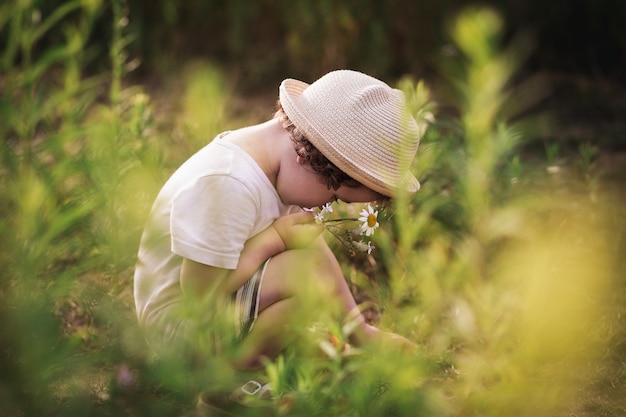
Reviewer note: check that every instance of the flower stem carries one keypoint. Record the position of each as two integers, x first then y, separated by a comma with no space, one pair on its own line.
346,219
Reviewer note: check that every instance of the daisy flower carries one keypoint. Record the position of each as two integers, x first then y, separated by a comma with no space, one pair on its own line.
341,227
321,216
361,246
369,217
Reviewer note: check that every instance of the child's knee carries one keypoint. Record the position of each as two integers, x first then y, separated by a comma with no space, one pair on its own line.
307,265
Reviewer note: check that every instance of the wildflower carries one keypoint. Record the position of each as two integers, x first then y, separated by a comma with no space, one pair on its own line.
343,229
369,217
321,216
363,247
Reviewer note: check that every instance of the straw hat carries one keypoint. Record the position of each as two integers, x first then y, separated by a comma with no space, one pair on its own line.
360,124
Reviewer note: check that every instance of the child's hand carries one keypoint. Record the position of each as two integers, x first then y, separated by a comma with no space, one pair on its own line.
297,230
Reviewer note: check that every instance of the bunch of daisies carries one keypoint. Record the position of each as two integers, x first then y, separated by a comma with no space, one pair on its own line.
354,238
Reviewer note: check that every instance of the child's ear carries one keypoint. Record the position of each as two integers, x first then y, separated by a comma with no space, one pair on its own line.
300,160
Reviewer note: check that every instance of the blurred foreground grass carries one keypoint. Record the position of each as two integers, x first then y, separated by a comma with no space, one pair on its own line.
506,268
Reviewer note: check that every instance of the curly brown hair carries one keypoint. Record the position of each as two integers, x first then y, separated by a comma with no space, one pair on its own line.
327,172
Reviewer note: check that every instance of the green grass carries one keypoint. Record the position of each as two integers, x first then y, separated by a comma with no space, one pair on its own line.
509,275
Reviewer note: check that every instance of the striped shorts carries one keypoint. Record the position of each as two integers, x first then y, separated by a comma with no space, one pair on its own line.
246,302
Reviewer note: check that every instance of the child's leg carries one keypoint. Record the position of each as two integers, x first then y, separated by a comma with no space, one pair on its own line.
292,279
268,337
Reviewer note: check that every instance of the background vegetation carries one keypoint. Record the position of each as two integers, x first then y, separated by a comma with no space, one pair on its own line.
507,267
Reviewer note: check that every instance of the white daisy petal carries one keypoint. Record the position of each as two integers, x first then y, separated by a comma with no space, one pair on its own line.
360,246
369,218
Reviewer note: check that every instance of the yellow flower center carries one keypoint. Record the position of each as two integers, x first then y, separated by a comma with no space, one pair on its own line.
371,220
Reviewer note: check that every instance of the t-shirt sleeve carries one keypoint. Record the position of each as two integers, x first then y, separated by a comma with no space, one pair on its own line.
211,219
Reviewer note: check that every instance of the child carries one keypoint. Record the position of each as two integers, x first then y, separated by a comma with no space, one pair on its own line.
230,223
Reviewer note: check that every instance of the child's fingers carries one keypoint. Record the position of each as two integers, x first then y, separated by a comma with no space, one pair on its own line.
298,229
303,217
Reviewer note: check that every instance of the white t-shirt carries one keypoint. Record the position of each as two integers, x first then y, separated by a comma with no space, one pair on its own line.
217,200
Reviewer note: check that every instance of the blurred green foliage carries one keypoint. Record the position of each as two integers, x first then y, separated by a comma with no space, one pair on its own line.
263,40
504,268
306,38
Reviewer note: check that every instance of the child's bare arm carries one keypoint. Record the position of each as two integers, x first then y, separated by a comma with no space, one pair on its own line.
288,232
